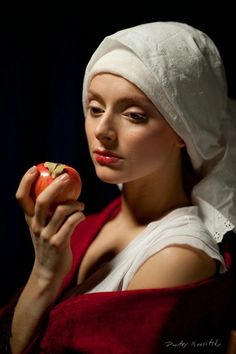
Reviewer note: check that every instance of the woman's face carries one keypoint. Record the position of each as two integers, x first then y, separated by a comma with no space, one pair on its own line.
127,136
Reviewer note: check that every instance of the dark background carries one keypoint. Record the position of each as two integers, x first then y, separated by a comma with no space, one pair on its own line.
43,55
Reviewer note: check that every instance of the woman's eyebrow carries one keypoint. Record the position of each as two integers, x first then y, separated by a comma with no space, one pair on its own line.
127,99
92,94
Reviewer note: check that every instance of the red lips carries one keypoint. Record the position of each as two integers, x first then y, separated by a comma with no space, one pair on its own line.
106,153
106,157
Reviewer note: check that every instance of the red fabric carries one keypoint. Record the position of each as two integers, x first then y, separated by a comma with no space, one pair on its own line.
185,319
85,233
140,322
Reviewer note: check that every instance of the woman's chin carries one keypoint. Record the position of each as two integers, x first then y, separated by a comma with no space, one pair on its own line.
109,178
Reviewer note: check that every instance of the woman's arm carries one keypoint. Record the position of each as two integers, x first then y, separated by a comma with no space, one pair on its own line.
50,231
173,266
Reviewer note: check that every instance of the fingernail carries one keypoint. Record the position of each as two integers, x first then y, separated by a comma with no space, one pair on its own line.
32,169
64,177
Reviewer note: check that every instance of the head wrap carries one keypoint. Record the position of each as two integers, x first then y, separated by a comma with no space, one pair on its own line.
180,70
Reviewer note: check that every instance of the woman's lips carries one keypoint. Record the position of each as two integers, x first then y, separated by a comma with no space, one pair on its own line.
106,157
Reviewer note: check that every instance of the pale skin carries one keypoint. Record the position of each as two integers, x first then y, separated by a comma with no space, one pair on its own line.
121,120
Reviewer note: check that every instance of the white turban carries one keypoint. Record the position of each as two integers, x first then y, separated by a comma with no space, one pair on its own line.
180,70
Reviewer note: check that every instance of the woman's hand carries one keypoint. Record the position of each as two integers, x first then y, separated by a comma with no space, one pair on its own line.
50,227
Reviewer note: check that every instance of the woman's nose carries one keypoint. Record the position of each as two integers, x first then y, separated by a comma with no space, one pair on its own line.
106,130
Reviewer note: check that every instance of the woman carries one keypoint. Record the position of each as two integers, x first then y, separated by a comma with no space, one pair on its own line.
125,280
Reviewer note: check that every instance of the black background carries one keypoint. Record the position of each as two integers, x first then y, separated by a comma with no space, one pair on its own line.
44,51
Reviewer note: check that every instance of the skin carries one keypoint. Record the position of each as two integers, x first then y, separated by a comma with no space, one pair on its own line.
51,240
123,121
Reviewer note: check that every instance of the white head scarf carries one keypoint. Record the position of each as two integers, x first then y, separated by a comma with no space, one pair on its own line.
180,70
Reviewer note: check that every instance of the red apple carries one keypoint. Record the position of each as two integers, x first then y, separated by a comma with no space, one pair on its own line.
48,171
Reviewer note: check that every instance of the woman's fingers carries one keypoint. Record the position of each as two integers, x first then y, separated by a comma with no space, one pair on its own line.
64,233
48,221
60,216
23,191
45,202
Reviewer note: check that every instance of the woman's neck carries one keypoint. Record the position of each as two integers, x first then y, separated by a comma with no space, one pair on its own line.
152,197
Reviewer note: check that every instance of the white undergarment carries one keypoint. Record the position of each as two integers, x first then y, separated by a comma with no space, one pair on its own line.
180,227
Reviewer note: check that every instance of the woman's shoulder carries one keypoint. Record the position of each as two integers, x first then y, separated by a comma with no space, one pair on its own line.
181,251
174,265
185,221
184,227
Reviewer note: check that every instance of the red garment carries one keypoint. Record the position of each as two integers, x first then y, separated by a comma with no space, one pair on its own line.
185,319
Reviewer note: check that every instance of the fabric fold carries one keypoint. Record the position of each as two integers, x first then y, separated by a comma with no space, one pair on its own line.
191,94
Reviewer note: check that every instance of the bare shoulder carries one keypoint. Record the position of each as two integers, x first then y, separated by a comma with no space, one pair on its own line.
173,266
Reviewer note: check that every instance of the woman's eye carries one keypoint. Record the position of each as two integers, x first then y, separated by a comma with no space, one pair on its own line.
137,117
95,110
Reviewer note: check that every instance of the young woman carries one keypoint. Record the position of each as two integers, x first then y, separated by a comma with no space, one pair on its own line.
142,275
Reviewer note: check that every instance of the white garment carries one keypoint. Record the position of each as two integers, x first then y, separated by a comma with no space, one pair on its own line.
180,70
180,227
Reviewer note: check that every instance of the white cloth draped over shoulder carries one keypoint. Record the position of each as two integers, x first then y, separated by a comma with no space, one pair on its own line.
180,70
182,227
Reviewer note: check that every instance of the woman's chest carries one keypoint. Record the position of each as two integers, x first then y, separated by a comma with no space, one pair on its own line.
111,240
